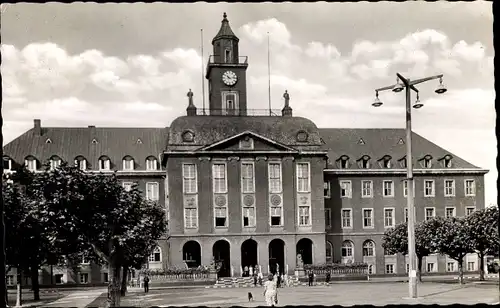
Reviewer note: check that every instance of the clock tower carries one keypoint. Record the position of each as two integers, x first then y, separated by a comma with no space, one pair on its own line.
226,74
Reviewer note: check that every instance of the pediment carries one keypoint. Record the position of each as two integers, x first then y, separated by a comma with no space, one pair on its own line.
247,141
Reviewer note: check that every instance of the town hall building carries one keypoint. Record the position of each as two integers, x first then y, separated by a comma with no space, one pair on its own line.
248,187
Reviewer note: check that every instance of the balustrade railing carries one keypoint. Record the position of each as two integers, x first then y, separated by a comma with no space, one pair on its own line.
337,269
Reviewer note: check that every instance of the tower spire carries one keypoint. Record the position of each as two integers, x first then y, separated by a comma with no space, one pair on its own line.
225,31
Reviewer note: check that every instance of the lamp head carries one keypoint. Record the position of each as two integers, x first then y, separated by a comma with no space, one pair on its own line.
398,88
377,102
418,104
441,88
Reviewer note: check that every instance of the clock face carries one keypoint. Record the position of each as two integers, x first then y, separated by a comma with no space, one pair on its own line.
229,78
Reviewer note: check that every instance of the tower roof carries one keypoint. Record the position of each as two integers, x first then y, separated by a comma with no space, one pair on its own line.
225,31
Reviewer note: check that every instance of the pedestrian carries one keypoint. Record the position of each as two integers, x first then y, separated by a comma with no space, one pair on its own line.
327,279
278,280
254,280
245,271
270,291
260,278
146,284
311,277
250,271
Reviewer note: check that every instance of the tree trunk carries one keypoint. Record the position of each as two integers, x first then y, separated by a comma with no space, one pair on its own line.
419,268
34,281
124,280
461,270
19,288
51,275
481,265
114,285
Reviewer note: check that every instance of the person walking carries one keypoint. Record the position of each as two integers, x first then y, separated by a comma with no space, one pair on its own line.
278,280
311,278
146,284
270,291
328,276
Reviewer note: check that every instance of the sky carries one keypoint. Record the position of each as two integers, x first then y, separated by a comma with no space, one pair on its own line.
131,65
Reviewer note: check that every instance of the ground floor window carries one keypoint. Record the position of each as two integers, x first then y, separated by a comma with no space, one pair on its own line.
191,218
58,278
84,278
407,268
471,266
10,280
450,266
276,216
389,268
430,267
105,277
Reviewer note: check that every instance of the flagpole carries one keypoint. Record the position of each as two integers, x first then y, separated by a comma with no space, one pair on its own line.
269,73
202,76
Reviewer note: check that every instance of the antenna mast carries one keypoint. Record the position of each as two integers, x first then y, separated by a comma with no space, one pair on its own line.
269,73
202,76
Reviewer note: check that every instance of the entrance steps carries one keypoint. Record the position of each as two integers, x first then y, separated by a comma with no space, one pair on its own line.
247,282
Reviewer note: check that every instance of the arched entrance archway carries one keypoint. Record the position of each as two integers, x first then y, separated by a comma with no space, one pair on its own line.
305,248
276,255
249,253
221,253
191,254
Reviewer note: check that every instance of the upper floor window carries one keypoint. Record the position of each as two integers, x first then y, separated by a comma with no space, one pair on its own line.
151,163
55,162
405,188
449,188
367,218
326,189
303,177
345,189
365,162
31,163
81,163
104,163
388,187
346,218
227,55
344,162
429,188
274,177
128,163
366,189
427,161
152,191
447,161
247,177
219,178
190,184
230,103
7,163
155,256
430,213
470,188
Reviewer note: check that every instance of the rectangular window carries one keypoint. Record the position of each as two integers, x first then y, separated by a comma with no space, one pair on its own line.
345,189
367,218
276,216
219,178
274,177
105,277
127,186
152,191
406,214
471,266
249,216
450,266
405,188
450,212
469,210
449,188
247,177
227,55
470,188
304,216
303,177
366,189
430,267
326,188
328,218
189,181
389,268
151,164
407,268
346,218
388,189
221,216
84,278
430,213
389,218
429,188
10,280
191,218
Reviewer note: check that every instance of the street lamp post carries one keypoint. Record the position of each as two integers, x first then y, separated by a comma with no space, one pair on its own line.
398,87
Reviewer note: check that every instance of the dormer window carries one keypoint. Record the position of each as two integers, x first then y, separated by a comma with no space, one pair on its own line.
365,162
151,163
55,162
81,163
447,161
188,136
344,162
427,161
104,163
302,136
7,164
402,162
31,163
386,161
128,163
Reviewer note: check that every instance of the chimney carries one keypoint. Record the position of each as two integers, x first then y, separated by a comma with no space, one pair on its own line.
191,109
37,127
287,110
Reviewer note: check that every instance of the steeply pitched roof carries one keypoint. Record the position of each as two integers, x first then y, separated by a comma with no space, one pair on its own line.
210,129
378,142
225,31
69,142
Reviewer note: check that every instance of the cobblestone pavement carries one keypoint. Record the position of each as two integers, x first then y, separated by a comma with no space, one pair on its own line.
378,294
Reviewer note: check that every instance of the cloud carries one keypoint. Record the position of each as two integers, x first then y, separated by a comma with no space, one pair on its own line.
279,36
